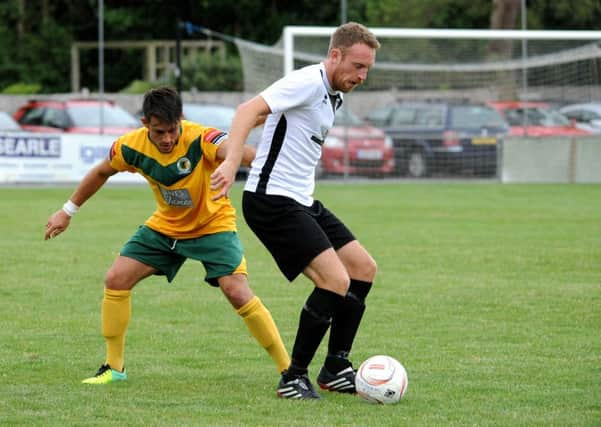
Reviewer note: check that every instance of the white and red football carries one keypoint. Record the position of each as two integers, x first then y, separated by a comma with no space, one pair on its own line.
381,379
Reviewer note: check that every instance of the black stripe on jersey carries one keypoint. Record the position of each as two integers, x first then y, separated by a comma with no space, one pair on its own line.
277,140
316,140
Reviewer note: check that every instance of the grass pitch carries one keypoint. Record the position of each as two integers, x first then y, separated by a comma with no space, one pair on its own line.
489,294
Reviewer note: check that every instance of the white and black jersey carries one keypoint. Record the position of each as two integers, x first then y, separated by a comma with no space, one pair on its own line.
303,106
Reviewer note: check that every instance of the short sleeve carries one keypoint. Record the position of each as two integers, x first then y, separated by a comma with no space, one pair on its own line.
211,139
290,91
116,158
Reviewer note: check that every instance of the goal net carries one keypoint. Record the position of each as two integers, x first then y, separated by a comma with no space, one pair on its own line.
445,67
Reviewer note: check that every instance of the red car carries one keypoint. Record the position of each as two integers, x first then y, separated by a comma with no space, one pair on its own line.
355,148
535,119
75,116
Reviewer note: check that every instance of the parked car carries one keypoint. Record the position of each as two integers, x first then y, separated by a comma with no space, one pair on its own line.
585,116
7,123
75,116
354,147
535,119
220,117
442,136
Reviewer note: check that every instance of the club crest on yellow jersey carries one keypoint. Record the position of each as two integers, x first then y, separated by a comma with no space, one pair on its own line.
184,166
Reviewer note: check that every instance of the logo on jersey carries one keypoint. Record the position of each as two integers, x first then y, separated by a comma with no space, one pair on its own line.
179,198
316,140
184,166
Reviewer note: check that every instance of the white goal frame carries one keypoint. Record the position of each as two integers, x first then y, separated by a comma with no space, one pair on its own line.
291,31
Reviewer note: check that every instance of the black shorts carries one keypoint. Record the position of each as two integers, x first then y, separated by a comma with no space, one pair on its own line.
294,234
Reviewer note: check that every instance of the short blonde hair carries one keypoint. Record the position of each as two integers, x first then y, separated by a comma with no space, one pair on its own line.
350,34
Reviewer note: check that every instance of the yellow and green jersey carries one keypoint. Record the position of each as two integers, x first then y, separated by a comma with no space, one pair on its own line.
180,180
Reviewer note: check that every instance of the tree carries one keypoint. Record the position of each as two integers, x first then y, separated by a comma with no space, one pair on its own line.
428,14
503,17
35,35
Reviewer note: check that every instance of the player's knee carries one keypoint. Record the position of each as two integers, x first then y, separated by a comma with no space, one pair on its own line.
370,269
338,283
115,281
236,290
363,268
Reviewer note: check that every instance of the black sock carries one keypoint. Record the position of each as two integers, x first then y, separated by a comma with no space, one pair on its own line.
315,318
345,324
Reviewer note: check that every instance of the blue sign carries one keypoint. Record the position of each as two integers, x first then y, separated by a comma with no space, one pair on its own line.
90,154
29,146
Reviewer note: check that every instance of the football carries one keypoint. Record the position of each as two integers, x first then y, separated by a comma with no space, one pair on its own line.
381,379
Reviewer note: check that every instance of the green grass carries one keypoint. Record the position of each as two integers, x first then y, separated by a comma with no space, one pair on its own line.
489,294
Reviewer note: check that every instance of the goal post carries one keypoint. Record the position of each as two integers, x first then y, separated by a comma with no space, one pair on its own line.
439,59
472,66
290,32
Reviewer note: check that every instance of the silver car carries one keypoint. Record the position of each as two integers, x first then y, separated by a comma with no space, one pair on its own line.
585,116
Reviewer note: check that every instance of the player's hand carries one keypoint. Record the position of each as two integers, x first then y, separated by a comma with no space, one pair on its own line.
57,223
222,179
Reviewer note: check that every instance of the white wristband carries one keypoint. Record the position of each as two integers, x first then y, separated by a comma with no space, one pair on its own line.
70,208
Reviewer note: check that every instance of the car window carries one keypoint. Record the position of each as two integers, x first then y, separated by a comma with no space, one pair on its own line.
535,117
588,116
56,118
33,116
577,115
475,117
215,116
380,117
430,117
555,118
346,118
404,116
420,116
89,115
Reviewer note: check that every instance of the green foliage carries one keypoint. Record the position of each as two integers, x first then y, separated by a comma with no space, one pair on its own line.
429,14
556,15
121,67
489,294
39,53
139,86
39,56
22,88
207,72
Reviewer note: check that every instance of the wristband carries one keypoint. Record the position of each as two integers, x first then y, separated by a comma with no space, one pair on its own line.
70,208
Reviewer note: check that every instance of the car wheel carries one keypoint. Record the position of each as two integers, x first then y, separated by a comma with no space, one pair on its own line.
417,164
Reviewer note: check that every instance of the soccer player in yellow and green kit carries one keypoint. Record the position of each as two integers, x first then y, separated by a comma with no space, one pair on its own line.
194,219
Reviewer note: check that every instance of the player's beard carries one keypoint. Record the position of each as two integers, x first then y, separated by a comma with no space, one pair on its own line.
349,86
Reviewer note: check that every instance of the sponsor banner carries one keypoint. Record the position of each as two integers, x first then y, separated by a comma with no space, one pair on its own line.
47,158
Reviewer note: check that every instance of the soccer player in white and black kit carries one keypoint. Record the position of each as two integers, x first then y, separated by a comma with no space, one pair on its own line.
301,234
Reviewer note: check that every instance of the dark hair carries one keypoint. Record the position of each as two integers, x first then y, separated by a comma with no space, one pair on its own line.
164,103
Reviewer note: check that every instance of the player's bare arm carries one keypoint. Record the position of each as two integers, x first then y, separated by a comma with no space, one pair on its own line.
248,153
90,184
261,119
247,116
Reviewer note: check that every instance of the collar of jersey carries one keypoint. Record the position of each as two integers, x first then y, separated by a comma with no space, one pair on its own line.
326,83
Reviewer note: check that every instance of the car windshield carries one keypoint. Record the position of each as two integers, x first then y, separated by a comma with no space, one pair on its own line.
207,115
89,116
7,122
475,117
535,117
346,118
